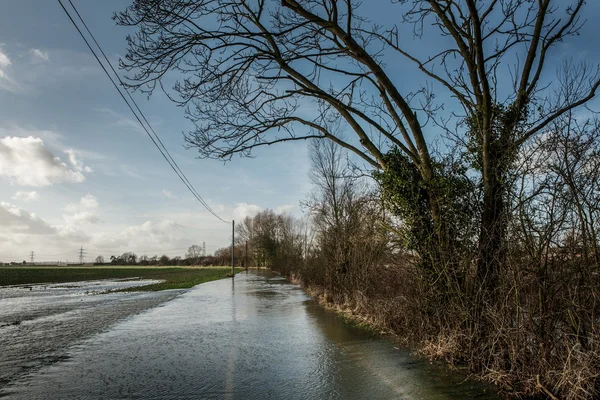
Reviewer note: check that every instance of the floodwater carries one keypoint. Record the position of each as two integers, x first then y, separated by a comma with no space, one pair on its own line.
255,337
38,323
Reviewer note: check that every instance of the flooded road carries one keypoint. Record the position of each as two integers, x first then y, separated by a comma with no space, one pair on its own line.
257,337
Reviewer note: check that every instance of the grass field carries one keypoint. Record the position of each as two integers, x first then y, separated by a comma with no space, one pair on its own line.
174,277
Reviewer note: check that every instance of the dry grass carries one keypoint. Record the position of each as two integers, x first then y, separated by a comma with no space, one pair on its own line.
527,348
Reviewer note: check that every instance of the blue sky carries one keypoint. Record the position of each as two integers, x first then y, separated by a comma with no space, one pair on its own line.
77,170
111,191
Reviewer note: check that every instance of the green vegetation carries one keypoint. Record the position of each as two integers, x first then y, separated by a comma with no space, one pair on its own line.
174,278
183,278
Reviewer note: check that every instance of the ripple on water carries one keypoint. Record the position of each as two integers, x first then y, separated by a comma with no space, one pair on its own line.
255,337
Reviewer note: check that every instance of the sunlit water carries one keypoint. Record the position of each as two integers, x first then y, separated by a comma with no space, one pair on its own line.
257,337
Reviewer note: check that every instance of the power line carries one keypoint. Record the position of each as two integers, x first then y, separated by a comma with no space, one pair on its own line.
44,255
191,187
168,156
171,162
137,250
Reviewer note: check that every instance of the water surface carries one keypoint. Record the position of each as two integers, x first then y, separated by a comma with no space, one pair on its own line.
40,322
258,337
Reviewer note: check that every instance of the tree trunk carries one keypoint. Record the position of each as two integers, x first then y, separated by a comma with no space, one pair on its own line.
428,175
491,248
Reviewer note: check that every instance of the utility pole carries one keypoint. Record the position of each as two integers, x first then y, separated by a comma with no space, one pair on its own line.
232,244
81,255
203,249
31,257
246,257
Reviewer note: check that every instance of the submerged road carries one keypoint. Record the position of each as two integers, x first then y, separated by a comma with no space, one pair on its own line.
257,337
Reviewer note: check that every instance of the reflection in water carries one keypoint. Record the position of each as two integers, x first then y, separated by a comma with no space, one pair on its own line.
256,338
232,352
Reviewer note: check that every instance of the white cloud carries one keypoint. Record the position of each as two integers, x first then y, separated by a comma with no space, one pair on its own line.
23,231
218,208
50,138
72,234
243,210
168,194
89,201
4,60
285,209
16,220
26,161
76,162
82,212
81,218
86,203
167,229
38,56
25,196
147,236
73,160
6,80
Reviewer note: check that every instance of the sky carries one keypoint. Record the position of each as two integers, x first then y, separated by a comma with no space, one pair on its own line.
76,169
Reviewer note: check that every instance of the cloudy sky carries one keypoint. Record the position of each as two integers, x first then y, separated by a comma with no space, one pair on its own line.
77,170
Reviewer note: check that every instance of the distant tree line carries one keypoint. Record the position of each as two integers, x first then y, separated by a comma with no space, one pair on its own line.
193,257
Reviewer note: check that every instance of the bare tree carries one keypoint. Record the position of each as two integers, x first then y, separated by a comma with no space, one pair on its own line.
553,261
194,253
561,171
332,207
348,222
248,68
329,174
273,240
164,260
574,154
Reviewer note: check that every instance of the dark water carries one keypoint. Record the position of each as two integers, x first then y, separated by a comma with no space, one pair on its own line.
258,337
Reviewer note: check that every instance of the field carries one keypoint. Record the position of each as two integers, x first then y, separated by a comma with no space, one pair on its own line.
174,277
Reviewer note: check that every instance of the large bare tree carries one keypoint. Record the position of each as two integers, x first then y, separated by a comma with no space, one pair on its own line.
258,72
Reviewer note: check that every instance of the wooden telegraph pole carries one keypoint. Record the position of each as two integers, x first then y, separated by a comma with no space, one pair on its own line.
232,247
